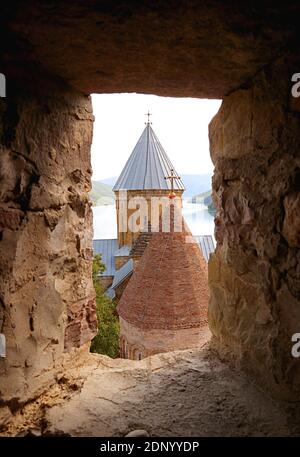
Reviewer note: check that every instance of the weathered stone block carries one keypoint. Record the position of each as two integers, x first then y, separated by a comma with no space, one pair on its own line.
45,248
254,275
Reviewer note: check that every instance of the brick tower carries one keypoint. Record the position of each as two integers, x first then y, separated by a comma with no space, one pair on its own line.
144,177
164,306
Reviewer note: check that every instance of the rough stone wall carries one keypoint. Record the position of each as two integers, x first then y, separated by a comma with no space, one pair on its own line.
174,48
254,274
47,302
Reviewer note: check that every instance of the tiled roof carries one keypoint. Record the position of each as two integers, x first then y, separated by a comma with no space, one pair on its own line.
169,288
207,245
123,251
147,166
110,293
107,249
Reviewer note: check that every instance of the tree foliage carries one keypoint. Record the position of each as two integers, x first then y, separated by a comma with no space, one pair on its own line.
107,339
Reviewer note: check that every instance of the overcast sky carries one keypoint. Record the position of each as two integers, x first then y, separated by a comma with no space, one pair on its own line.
181,125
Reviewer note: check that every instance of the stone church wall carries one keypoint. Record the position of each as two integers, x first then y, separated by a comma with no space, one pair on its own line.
149,342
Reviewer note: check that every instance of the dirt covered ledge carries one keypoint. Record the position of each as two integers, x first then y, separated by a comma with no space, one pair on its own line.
182,393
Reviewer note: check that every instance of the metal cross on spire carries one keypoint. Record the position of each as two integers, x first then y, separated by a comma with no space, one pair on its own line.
148,120
172,178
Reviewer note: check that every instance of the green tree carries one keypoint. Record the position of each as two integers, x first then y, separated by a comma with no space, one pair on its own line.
107,339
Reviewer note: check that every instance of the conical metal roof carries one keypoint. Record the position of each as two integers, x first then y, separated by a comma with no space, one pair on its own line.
147,166
169,286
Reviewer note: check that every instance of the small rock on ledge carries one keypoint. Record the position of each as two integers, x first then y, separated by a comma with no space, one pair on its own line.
137,434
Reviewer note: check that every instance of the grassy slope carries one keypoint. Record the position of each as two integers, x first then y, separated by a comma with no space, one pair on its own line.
102,194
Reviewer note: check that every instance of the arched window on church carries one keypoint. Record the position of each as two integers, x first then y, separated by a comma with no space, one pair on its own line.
137,354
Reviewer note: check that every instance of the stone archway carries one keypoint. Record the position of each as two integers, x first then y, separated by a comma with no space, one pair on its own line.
138,353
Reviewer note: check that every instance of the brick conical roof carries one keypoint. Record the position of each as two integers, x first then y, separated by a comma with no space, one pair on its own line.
168,289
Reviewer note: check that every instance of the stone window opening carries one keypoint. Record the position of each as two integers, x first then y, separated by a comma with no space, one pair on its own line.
145,222
45,171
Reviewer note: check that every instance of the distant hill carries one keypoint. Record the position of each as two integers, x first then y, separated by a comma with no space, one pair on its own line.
110,181
206,199
200,198
102,194
194,184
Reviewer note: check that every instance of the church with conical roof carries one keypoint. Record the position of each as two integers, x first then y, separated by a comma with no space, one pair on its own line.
156,270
